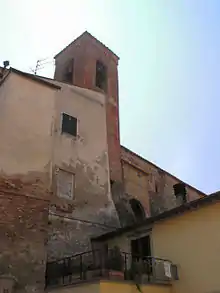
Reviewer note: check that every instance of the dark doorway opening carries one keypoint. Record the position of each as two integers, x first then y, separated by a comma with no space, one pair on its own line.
141,255
141,247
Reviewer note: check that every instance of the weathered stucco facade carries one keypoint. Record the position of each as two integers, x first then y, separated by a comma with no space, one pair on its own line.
25,179
132,177
82,56
34,151
91,210
84,181
26,120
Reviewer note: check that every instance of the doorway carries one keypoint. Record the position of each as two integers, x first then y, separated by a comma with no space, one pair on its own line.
141,247
141,254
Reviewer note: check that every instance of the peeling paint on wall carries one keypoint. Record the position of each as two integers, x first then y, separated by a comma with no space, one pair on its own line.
92,209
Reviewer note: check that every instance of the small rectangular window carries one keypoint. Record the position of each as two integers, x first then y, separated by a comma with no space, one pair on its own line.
65,184
101,75
69,124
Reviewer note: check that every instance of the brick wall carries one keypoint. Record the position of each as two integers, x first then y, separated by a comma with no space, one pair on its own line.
23,234
136,185
159,188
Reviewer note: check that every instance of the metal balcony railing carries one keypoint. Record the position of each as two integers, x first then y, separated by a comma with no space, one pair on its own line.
97,264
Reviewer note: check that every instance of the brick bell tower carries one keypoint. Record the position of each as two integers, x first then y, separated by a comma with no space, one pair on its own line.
88,63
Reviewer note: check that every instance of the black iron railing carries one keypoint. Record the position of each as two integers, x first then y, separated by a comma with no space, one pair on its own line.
98,264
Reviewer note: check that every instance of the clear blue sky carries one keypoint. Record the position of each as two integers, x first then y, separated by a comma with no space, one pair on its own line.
169,70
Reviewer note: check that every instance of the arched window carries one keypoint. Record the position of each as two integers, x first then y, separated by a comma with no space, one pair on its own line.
137,209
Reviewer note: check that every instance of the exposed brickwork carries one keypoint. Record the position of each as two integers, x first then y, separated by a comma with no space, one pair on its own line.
85,51
159,184
23,234
136,185
31,183
112,113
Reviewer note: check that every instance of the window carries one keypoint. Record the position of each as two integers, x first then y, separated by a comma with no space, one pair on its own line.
137,209
101,75
180,191
68,72
69,124
65,184
141,246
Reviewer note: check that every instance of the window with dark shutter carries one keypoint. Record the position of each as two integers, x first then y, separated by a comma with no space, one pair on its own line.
69,125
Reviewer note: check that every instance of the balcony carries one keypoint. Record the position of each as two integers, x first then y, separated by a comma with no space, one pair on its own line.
110,265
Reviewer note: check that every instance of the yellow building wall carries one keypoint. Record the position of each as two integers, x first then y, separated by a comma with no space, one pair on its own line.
111,286
81,288
192,241
123,287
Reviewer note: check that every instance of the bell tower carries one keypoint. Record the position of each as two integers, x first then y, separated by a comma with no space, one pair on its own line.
88,63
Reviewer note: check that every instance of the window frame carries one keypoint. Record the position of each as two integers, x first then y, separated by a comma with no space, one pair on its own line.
138,240
73,184
61,126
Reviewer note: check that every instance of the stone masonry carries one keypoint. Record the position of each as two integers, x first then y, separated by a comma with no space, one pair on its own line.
23,234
